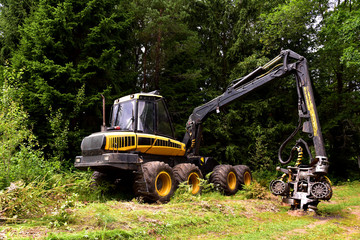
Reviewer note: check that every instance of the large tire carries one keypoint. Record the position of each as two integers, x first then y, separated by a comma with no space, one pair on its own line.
99,179
244,175
225,179
155,183
189,173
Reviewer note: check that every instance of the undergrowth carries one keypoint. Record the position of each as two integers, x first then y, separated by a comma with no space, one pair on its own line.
45,196
53,197
255,191
67,215
183,193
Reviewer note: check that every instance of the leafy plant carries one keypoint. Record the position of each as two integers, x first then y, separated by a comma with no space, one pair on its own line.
183,192
255,191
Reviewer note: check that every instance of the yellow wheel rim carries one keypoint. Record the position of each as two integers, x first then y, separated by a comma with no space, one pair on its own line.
247,178
163,183
231,179
193,181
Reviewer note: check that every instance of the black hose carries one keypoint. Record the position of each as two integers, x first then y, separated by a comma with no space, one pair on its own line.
283,145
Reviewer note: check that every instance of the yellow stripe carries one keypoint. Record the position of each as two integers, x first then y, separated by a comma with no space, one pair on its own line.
311,110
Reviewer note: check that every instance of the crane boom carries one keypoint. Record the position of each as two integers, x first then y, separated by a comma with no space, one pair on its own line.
306,184
254,80
242,86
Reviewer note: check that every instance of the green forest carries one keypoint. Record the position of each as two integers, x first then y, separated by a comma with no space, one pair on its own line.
58,57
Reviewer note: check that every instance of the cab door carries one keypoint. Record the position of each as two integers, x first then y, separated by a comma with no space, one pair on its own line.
163,123
154,130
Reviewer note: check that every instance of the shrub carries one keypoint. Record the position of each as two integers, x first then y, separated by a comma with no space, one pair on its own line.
21,156
255,191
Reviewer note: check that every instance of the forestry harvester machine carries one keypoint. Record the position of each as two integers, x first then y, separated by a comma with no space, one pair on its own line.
139,147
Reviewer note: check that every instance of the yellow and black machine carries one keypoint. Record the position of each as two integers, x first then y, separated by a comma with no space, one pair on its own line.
139,145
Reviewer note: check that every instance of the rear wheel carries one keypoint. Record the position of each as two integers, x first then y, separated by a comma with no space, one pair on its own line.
224,178
189,173
244,175
155,183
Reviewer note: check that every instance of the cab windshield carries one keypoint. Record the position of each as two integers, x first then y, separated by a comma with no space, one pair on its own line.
152,117
123,115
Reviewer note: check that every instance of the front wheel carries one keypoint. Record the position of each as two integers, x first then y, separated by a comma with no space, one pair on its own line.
224,178
155,183
101,181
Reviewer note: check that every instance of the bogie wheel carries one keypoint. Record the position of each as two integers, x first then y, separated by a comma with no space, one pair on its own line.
189,173
156,183
224,178
244,175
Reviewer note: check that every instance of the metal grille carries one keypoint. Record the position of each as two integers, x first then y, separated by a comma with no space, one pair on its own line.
164,143
116,143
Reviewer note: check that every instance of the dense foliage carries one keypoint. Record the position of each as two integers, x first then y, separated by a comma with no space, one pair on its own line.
69,52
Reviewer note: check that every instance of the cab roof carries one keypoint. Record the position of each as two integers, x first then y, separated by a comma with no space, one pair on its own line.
151,95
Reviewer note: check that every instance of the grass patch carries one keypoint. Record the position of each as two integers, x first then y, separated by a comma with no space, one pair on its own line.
209,216
96,235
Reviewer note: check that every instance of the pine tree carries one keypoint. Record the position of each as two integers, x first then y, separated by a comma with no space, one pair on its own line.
71,52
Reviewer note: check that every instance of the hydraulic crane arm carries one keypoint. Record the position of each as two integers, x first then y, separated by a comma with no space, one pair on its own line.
287,62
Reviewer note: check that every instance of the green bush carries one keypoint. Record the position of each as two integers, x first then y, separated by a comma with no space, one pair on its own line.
21,156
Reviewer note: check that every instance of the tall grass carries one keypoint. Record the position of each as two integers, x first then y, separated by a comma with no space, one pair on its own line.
45,195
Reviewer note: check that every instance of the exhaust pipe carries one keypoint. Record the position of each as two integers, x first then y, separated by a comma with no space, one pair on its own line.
103,126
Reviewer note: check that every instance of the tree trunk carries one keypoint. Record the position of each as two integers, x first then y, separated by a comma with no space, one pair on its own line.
158,54
339,78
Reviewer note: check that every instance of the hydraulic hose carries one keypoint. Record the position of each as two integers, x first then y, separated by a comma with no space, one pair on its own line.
283,145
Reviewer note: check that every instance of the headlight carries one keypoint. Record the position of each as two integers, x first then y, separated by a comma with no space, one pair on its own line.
78,160
106,157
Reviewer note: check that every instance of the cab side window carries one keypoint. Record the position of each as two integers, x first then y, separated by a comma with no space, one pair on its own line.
146,117
163,121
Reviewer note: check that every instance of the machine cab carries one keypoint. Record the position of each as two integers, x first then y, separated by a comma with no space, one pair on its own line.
138,123
141,113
